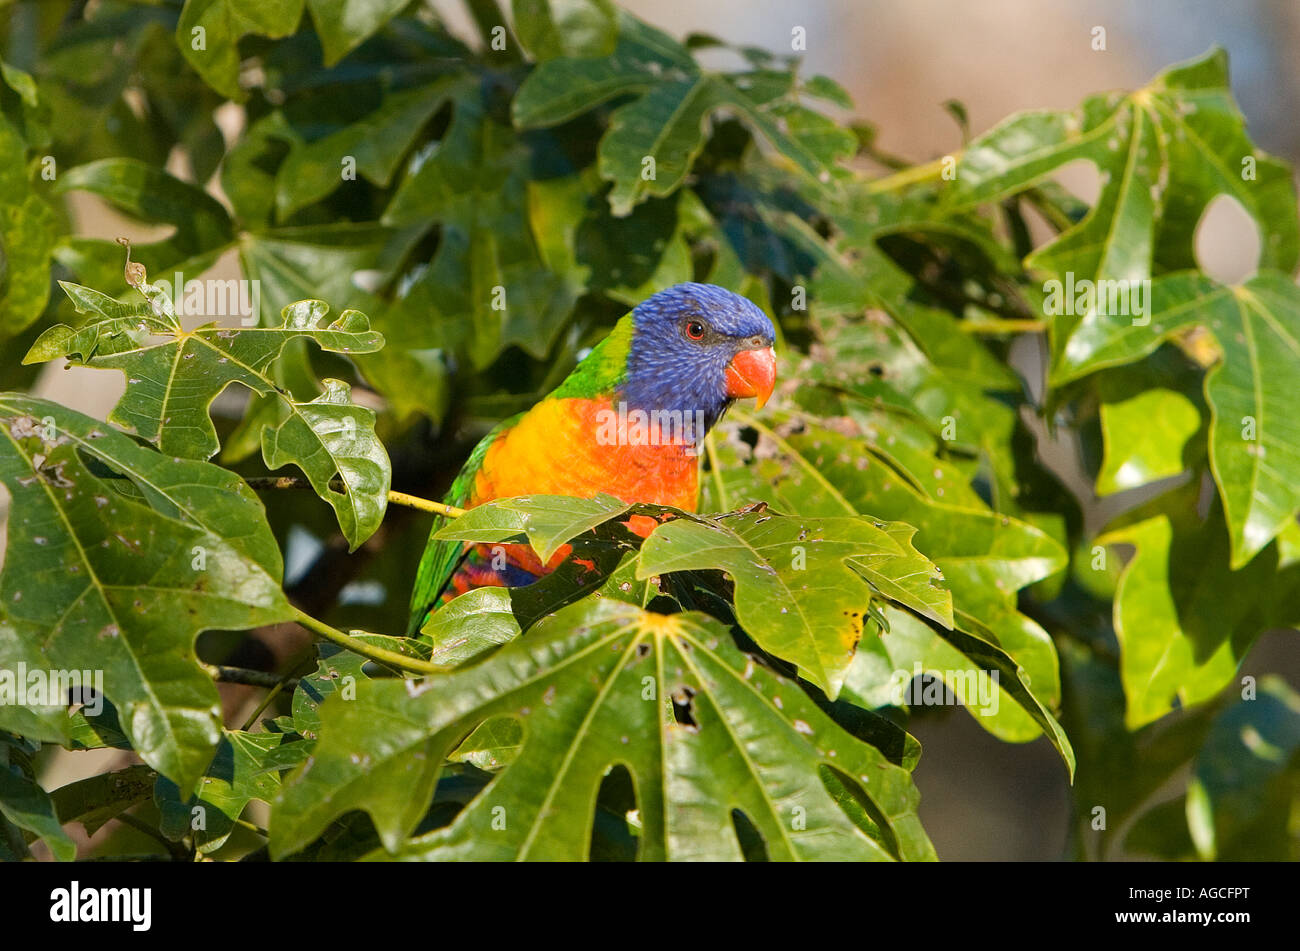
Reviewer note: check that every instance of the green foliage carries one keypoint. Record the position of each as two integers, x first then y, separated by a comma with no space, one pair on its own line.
738,683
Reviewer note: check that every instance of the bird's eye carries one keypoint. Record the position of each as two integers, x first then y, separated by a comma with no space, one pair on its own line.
695,330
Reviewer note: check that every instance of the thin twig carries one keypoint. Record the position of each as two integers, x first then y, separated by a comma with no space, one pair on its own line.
285,679
242,675
174,849
378,654
907,177
271,694
394,498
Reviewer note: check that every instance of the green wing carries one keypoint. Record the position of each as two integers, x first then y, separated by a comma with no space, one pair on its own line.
441,557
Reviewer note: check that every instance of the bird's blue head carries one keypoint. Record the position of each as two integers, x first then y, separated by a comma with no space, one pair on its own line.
697,347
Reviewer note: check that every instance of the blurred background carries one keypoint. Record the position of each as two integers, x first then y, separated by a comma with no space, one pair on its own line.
981,798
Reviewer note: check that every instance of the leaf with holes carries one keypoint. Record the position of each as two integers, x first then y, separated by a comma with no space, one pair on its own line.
173,375
330,435
803,585
118,556
706,732
1254,432
1164,153
244,768
985,557
96,800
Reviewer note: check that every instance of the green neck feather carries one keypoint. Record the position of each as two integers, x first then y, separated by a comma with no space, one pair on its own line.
604,370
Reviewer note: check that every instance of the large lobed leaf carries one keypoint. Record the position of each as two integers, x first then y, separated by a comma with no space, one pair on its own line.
1181,638
702,728
173,375
1254,436
983,556
117,557
803,586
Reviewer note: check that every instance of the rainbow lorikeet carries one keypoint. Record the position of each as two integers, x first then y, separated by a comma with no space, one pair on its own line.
629,421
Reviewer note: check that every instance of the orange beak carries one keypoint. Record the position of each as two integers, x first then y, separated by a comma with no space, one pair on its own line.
752,373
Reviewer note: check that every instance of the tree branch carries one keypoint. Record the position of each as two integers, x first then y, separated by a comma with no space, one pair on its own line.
378,654
242,675
259,483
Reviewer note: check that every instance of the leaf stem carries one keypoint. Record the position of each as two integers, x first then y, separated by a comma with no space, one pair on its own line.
378,654
714,471
908,176
271,694
253,827
394,498
424,505
175,850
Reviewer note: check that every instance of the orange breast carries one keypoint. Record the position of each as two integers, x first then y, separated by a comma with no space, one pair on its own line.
563,447
568,447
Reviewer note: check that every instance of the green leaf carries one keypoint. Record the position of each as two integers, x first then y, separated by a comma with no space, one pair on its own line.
20,82
1254,438
118,556
983,556
28,230
29,807
343,25
652,142
550,29
29,227
174,375
1164,153
1182,133
603,561
471,625
319,262
984,678
150,194
595,685
546,521
821,135
374,146
96,800
43,718
803,585
823,87
328,436
485,287
1179,635
338,669
1240,801
1137,453
243,769
248,169
208,33
558,90
493,744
